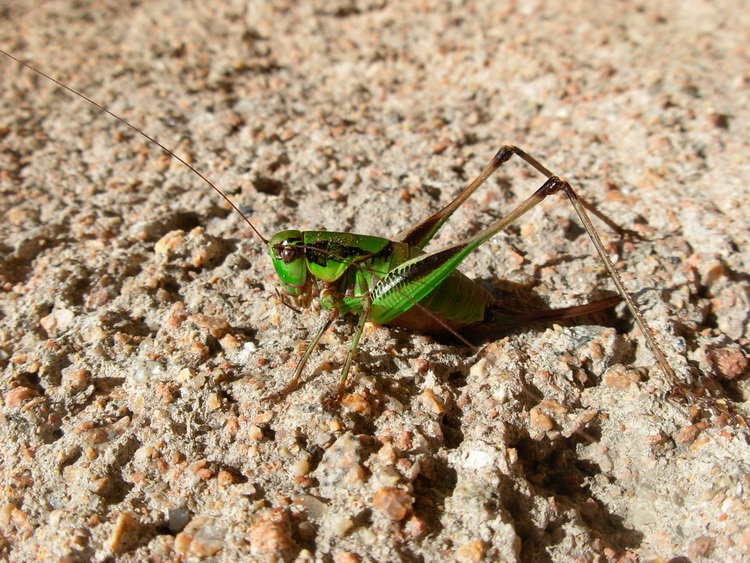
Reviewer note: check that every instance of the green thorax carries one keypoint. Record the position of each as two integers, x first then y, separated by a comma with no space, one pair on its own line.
301,257
330,254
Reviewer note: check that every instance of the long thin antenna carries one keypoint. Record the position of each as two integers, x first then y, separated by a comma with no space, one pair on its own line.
143,134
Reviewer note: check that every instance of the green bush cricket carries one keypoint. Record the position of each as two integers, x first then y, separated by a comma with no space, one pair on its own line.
396,283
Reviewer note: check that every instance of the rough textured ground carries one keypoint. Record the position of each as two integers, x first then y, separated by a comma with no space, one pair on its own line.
140,326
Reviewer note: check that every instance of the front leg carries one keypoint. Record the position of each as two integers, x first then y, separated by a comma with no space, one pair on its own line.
363,317
294,384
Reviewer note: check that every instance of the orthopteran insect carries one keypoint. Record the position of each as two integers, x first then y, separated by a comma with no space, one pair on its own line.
395,282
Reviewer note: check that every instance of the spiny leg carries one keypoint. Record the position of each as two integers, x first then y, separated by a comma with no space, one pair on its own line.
614,274
554,185
442,262
424,231
295,381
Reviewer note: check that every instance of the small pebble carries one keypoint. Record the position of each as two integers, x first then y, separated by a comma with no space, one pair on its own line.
300,468
270,534
178,519
540,421
729,363
124,532
345,557
208,540
341,463
470,553
254,432
393,502
432,401
355,403
620,377
341,524
16,397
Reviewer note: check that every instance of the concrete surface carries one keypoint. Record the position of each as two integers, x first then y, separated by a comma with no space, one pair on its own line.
140,327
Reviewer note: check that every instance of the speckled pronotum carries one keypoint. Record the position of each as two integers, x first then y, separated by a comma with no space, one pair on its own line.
395,282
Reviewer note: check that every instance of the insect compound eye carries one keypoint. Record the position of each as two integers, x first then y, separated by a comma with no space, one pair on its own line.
288,253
